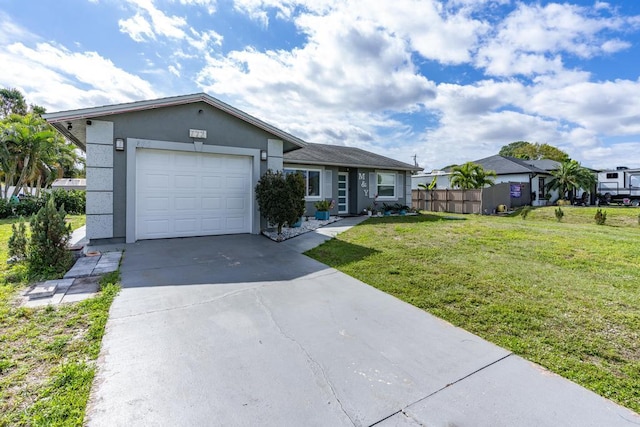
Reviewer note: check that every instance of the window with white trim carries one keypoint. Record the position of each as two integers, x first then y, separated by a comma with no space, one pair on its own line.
312,179
386,185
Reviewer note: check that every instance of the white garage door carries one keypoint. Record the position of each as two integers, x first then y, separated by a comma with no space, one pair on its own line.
180,194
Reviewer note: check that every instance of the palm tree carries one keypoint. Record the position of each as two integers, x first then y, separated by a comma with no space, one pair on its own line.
570,176
29,151
470,176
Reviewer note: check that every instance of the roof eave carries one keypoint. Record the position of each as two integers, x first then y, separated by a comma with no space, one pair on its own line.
109,110
68,135
351,165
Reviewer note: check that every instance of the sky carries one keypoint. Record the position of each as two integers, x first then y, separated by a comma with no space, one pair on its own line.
445,81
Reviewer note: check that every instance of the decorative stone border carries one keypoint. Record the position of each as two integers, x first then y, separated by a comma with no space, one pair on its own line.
307,225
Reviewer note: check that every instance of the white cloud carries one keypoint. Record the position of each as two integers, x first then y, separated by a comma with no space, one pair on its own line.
209,5
153,22
57,78
533,39
137,27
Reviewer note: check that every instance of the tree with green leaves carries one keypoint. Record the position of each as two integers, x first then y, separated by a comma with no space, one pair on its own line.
30,152
533,151
281,197
12,102
47,251
471,176
570,176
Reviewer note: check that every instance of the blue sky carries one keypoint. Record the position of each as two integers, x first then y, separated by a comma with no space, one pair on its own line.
448,81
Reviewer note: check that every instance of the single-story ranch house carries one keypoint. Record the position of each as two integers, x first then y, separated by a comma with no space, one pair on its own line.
188,166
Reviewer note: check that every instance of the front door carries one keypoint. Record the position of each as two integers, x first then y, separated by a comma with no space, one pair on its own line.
343,193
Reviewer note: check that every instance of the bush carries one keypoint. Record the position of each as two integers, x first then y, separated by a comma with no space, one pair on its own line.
600,217
73,201
281,198
28,206
18,240
47,255
559,214
6,210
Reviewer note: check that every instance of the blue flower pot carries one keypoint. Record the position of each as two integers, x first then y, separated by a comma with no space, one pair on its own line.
322,215
297,223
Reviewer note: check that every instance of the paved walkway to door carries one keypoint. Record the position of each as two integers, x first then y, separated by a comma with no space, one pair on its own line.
243,331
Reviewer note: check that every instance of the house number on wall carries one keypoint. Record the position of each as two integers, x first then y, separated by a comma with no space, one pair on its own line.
363,184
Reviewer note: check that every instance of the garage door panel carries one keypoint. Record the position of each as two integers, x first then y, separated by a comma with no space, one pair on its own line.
211,181
235,183
185,181
209,203
187,203
155,204
187,225
235,223
212,162
212,225
236,203
185,160
155,158
236,164
181,194
157,226
156,181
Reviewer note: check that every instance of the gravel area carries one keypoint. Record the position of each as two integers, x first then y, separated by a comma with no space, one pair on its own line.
307,225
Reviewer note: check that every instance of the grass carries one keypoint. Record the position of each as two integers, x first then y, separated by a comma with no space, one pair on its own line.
47,354
564,294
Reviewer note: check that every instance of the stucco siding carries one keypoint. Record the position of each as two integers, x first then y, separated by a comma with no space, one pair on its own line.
169,124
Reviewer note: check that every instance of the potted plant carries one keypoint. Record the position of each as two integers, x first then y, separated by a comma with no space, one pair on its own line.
322,209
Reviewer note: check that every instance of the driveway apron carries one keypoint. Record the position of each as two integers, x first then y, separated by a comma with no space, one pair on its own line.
240,330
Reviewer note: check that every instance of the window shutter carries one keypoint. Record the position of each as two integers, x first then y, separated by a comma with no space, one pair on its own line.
373,185
328,184
399,185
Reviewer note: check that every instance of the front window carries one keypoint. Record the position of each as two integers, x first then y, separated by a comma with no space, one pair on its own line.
312,180
386,185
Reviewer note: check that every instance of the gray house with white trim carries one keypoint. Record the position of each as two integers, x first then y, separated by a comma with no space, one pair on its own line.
188,166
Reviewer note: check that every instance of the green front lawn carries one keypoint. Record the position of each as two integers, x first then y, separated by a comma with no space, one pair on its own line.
564,295
47,355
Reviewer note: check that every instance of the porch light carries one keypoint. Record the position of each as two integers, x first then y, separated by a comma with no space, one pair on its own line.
119,144
263,155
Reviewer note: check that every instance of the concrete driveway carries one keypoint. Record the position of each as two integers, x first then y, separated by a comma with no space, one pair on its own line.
239,330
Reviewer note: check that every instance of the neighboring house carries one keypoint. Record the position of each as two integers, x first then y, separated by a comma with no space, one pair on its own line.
535,173
69,184
188,166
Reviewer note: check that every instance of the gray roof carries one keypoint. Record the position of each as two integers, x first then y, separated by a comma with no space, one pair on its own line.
503,165
337,155
60,119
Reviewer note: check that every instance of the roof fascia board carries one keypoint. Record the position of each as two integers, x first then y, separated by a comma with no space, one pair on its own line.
108,110
349,165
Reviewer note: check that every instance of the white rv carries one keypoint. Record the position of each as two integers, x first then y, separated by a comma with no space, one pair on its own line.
621,185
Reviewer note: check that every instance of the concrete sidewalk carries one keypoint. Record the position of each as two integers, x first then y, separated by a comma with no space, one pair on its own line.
240,330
